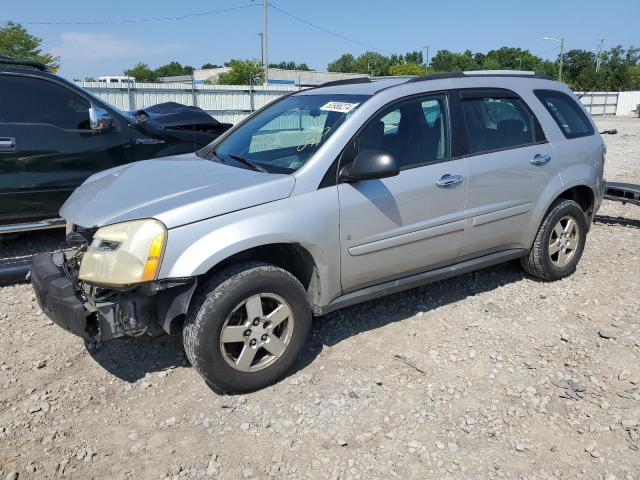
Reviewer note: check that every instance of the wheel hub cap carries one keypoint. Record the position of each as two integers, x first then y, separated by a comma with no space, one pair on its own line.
257,332
564,241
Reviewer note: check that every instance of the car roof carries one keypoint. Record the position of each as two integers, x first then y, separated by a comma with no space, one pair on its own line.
371,86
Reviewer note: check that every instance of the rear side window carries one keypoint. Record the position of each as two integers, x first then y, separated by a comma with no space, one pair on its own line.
34,100
497,123
566,112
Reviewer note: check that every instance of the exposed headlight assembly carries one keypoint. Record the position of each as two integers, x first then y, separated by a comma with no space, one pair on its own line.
124,253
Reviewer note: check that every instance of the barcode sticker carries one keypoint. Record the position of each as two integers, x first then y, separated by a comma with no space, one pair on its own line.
342,107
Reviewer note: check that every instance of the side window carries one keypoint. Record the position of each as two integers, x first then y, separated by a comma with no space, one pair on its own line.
495,123
415,132
34,100
566,112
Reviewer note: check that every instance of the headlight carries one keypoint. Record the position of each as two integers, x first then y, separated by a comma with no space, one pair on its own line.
124,253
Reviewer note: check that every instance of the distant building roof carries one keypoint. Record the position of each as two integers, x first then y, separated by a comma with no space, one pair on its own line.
278,76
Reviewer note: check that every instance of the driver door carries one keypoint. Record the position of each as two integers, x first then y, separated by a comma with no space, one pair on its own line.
52,148
413,222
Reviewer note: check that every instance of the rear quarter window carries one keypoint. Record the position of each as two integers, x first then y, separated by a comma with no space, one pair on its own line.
566,112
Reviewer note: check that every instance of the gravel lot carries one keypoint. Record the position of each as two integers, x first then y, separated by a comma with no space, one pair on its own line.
489,375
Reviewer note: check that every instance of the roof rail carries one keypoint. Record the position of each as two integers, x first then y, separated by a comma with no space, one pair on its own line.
481,73
345,81
22,63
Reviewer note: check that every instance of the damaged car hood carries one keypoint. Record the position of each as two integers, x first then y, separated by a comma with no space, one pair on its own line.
176,190
172,114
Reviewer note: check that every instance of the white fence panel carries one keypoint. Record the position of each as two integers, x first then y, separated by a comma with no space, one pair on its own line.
600,103
628,102
227,103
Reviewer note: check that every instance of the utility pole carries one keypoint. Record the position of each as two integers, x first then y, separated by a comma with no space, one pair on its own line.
561,59
561,42
261,35
265,58
519,63
426,62
599,60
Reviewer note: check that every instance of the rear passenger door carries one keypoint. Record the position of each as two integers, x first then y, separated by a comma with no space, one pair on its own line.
509,164
393,227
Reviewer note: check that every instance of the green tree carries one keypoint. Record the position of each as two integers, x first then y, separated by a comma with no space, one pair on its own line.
579,70
142,73
508,58
447,61
173,69
290,66
17,43
345,64
372,63
414,57
243,72
209,66
409,68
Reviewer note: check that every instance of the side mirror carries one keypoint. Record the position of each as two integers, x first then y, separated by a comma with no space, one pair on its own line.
369,165
100,119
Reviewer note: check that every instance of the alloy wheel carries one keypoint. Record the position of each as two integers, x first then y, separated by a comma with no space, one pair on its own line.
564,241
257,332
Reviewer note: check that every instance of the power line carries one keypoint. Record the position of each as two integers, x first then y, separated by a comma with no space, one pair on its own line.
143,20
546,51
302,20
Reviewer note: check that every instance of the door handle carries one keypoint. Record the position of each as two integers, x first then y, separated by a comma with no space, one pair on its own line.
7,144
539,160
449,180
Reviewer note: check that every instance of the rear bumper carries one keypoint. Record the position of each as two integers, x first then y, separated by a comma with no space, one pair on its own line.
148,309
56,295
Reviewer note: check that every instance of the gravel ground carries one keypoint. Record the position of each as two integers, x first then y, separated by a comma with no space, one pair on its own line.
488,375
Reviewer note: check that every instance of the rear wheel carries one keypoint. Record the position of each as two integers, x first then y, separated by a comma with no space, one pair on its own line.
559,242
247,327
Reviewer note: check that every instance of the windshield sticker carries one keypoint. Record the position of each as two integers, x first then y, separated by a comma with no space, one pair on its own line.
342,107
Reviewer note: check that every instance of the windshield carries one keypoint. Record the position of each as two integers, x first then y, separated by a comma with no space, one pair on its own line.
281,138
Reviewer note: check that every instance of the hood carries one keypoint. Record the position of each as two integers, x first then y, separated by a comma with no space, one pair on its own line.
172,115
175,190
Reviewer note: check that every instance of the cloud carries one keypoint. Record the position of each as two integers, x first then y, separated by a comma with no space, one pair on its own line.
90,47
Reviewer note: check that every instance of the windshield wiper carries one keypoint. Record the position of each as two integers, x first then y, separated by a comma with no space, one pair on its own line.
214,154
249,163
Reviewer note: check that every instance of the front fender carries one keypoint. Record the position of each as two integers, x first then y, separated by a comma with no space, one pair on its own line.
309,220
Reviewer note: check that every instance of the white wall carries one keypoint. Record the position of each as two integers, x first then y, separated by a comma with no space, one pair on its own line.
627,102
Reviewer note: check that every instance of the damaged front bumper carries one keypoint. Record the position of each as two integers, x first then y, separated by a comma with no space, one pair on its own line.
104,314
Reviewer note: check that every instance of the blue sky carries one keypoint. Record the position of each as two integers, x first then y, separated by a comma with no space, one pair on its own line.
390,26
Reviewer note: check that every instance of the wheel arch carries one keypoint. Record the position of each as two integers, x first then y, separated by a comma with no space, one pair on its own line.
292,257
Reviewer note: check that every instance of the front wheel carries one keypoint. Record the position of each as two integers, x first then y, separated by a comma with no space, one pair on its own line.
246,327
559,242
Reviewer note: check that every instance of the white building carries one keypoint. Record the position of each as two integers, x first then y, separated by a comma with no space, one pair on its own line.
277,76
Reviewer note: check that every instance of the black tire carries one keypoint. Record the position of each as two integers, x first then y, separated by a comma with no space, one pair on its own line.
539,263
215,301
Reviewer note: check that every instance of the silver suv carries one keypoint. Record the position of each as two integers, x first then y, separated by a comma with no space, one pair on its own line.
325,198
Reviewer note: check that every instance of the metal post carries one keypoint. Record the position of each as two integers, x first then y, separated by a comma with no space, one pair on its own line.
265,58
561,59
251,99
426,62
132,97
194,93
599,55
